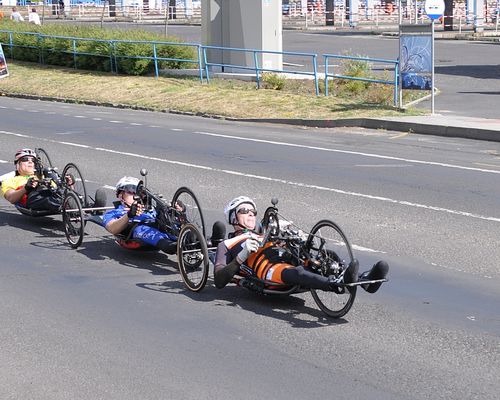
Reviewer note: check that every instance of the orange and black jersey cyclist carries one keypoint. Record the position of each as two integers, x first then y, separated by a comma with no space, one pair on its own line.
270,263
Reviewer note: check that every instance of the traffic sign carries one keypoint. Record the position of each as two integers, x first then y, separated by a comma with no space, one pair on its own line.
434,8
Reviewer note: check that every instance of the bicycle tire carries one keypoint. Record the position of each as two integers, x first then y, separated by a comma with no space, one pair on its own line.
73,219
79,187
192,257
331,240
43,158
192,212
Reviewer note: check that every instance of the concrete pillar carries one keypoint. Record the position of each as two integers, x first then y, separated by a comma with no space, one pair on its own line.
244,24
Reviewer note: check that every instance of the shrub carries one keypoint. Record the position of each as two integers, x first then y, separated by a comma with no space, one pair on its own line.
356,69
273,81
122,50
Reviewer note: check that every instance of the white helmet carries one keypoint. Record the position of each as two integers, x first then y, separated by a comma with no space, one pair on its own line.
229,210
127,183
22,153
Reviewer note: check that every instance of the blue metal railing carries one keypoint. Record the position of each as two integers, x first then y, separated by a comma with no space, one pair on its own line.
202,58
256,67
394,82
113,46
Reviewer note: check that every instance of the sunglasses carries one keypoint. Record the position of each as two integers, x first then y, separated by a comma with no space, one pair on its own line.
246,211
26,159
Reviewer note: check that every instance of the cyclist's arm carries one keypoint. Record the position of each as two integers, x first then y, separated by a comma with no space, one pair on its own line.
117,225
225,267
14,196
13,189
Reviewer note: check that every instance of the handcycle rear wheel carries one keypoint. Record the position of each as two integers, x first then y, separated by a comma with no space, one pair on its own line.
192,256
43,157
328,246
73,219
192,211
79,183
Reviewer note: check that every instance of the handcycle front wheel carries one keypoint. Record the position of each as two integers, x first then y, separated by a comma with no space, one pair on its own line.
43,158
78,184
329,247
192,214
73,219
192,257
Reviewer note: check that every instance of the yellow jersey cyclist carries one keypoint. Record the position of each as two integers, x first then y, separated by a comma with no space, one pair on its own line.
24,188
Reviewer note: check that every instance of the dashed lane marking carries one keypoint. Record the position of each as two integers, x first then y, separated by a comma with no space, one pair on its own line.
270,179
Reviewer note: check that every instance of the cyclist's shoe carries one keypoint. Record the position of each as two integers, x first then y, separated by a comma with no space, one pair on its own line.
100,200
167,246
351,272
378,271
218,234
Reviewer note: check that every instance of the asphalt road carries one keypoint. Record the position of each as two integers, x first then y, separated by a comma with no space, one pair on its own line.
467,73
101,322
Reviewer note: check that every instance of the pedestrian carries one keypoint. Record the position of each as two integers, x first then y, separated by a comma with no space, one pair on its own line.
33,17
16,15
61,7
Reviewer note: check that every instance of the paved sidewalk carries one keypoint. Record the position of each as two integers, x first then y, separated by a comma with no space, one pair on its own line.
439,125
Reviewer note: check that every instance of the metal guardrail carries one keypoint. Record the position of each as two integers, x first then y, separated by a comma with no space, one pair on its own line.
112,53
394,82
256,67
202,60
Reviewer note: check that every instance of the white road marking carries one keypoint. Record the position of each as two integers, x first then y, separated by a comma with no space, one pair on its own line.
72,144
382,166
135,124
116,122
97,119
177,130
445,165
3,162
366,249
79,116
270,179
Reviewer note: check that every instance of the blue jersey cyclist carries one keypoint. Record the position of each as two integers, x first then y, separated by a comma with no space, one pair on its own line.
269,262
130,219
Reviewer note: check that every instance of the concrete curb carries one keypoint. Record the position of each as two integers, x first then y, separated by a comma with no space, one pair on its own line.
369,123
390,125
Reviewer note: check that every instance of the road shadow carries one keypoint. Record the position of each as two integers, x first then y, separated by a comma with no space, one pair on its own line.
290,309
472,92
471,71
51,226
50,231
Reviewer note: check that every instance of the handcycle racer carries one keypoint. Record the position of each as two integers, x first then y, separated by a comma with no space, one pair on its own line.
24,190
34,187
131,220
270,263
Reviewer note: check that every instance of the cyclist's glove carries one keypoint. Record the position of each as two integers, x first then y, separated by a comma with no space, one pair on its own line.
249,246
29,185
132,212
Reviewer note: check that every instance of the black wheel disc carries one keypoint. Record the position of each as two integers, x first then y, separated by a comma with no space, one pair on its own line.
331,250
